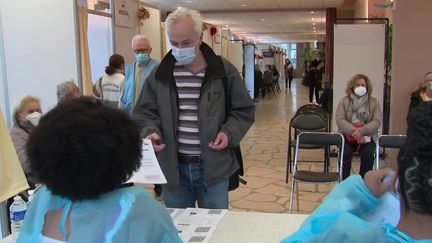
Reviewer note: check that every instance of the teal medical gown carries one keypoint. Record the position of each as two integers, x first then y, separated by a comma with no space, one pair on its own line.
339,218
126,214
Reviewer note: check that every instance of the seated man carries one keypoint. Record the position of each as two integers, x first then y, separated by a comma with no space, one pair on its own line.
83,152
340,218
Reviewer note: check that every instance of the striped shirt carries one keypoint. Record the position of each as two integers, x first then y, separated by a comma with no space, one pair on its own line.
188,89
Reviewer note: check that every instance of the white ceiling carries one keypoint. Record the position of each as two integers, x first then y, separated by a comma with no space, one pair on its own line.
261,21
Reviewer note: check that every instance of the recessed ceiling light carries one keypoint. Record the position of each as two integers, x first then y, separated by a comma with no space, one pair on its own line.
312,12
188,1
226,25
262,19
244,5
269,24
314,28
313,23
314,31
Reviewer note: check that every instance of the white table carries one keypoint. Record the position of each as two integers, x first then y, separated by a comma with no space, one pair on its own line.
256,227
250,227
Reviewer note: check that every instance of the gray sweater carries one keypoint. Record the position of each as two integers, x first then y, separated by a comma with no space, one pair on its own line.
344,115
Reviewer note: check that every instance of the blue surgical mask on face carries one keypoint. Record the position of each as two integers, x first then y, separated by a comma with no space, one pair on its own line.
185,55
141,58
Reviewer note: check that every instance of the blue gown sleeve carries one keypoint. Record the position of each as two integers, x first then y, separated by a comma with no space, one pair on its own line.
349,199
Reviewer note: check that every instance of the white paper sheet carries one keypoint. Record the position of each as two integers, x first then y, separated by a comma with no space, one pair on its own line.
197,224
388,211
150,171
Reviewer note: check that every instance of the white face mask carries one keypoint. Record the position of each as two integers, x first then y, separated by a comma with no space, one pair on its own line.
34,118
360,91
185,55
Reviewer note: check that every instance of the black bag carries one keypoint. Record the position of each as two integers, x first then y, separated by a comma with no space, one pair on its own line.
234,179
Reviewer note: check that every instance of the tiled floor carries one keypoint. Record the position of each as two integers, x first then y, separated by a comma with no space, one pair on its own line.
265,153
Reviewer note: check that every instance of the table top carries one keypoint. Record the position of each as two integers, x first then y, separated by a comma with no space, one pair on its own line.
250,227
256,227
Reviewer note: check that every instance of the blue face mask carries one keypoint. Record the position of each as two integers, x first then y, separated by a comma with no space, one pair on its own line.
184,56
141,58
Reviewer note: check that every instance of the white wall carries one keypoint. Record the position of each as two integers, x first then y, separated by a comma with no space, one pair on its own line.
100,43
358,48
152,29
123,35
249,58
3,85
39,48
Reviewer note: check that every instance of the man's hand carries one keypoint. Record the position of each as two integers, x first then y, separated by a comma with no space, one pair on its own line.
220,142
156,141
379,181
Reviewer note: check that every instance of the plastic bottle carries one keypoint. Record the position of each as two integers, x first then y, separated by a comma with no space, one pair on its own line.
17,213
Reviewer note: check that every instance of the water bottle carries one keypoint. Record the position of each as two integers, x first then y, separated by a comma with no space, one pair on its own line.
17,213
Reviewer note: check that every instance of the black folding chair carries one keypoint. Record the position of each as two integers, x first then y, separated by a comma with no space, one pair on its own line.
316,177
388,141
309,117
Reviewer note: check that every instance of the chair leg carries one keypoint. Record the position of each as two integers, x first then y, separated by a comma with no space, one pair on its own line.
292,194
297,198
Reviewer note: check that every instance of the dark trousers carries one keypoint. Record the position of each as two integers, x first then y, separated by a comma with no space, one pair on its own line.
367,157
313,86
288,81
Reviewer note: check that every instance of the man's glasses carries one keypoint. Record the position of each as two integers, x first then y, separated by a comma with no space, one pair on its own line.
141,51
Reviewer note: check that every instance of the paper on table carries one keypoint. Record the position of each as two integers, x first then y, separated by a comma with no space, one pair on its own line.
150,171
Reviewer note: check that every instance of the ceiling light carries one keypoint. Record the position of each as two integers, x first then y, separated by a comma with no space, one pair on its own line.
188,1
315,35
226,25
313,23
269,24
312,12
314,31
314,28
313,18
244,5
262,19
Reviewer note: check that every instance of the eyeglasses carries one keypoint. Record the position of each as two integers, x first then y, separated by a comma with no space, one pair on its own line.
141,51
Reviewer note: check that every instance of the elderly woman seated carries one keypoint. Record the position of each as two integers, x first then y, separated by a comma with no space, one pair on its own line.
83,152
342,217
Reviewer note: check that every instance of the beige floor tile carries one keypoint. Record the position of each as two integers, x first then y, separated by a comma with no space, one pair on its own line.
259,171
258,182
239,193
268,207
257,197
273,189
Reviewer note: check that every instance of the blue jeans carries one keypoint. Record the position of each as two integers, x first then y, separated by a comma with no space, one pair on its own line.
193,188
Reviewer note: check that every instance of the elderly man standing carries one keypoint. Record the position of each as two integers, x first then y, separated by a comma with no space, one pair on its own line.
195,108
137,72
67,91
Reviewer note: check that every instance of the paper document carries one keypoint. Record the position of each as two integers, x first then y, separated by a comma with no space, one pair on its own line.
388,211
150,171
197,224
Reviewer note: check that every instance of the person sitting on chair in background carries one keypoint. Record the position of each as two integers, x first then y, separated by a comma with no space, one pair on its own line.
67,91
26,116
344,216
83,152
358,117
423,94
109,87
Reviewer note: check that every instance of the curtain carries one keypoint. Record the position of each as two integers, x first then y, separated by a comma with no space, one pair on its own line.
86,82
12,178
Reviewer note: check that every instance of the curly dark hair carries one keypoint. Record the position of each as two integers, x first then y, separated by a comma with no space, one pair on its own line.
415,161
81,149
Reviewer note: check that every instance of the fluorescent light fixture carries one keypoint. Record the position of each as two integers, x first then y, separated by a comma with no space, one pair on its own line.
312,12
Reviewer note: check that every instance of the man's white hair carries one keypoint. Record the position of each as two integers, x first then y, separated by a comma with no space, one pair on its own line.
139,38
64,89
181,13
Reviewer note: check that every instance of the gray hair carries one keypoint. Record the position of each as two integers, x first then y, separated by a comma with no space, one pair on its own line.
137,38
64,89
181,13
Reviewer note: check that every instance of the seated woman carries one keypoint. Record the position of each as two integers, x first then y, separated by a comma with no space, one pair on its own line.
423,94
340,218
26,117
358,117
83,152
